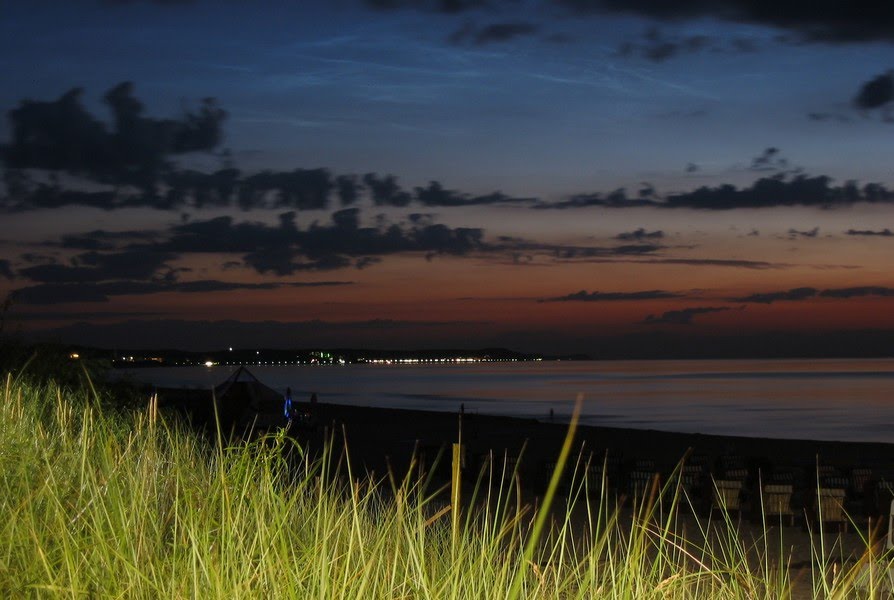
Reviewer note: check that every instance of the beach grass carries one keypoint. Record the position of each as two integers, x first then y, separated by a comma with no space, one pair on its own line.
99,503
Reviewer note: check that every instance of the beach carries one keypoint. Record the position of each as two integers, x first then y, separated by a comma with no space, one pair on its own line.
374,433
378,439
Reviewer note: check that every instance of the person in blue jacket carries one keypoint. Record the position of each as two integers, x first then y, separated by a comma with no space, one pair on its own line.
288,406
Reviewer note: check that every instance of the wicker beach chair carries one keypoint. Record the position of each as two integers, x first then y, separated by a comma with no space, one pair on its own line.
737,474
777,501
836,482
597,479
691,483
823,471
726,495
730,462
830,506
639,483
860,478
644,464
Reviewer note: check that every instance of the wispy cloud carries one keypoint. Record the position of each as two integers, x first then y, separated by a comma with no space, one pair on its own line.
683,316
584,296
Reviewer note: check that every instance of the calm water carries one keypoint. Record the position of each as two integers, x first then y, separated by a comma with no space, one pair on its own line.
851,400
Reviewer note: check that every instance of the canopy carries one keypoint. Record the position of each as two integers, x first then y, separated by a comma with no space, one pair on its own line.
244,403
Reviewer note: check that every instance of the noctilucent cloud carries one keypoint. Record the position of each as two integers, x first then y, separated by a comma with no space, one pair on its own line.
549,175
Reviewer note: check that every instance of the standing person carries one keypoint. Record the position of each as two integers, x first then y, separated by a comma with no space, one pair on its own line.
313,398
288,406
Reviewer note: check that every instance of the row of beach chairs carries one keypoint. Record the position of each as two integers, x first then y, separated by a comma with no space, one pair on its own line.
827,496
730,484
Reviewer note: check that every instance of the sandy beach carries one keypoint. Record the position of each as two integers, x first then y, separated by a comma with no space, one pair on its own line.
377,438
380,439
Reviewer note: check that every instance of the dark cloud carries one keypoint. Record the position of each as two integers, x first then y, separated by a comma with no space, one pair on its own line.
858,292
583,252
719,262
639,235
188,188
37,258
691,168
837,22
285,260
349,188
520,251
768,192
833,21
100,239
682,317
584,296
301,189
64,293
796,294
493,33
62,136
367,261
503,32
615,199
876,93
871,232
385,190
40,195
436,195
769,160
421,218
809,233
656,46
6,269
780,189
523,252
805,293
94,266
285,248
445,6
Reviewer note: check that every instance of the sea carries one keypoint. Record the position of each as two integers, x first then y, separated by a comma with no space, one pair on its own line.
844,400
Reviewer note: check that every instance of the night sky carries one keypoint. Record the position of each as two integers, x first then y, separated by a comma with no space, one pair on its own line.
621,178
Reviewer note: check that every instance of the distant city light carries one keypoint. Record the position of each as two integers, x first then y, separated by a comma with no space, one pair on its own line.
208,363
74,356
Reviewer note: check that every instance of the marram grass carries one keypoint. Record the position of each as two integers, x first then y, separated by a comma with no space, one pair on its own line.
95,504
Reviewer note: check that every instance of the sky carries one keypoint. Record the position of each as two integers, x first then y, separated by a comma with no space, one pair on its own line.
635,178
